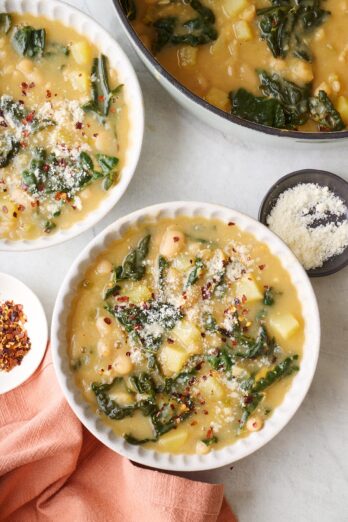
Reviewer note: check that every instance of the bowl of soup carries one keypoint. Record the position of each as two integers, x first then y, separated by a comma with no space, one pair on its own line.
71,123
185,336
258,68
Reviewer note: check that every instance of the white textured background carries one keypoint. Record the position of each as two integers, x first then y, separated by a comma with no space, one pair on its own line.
302,475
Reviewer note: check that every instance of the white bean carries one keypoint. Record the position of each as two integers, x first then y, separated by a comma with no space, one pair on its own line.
104,267
123,364
254,423
104,348
102,327
172,243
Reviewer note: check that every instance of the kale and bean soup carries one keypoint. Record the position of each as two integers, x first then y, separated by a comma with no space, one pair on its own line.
63,127
281,63
185,334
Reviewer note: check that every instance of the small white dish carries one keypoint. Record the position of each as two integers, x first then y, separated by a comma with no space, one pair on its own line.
11,289
83,24
242,447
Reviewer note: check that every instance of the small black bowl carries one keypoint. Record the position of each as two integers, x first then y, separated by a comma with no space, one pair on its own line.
321,177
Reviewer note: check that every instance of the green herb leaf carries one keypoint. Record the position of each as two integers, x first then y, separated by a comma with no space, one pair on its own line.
196,31
5,23
286,24
210,441
324,113
268,296
133,266
28,41
9,148
195,273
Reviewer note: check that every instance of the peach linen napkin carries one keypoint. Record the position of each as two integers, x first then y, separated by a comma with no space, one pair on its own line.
52,469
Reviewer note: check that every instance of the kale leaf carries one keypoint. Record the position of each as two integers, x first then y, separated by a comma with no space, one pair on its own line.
285,24
323,112
5,23
196,31
28,41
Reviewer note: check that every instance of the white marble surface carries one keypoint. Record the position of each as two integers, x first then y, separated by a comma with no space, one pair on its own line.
302,475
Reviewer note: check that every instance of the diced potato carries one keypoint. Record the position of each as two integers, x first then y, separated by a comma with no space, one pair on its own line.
172,358
173,440
234,7
242,31
217,97
138,294
342,107
284,325
211,388
248,287
187,56
189,337
81,52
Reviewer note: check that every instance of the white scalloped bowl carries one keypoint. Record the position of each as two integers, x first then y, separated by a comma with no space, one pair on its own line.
83,24
242,447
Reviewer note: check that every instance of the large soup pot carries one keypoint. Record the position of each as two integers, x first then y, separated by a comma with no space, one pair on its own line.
227,123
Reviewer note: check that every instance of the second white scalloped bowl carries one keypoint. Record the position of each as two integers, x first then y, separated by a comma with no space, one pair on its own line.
83,24
242,447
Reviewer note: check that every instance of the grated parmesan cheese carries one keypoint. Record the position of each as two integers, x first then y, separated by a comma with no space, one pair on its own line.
312,221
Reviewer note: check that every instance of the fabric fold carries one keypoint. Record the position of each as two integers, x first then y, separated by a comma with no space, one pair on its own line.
52,468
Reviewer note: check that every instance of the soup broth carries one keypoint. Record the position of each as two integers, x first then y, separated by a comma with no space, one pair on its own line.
63,127
295,54
185,335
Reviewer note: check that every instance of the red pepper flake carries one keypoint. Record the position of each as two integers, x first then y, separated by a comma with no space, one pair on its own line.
244,298
206,412
31,85
109,366
29,118
176,239
95,135
170,341
78,125
122,299
210,433
202,334
48,93
193,423
20,208
101,98
24,85
107,320
128,354
14,339
14,214
262,267
231,224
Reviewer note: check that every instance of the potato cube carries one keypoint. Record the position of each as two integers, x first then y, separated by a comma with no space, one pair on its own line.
172,358
242,31
173,440
234,7
188,336
218,98
284,325
342,107
138,294
211,388
81,52
122,398
187,56
247,286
